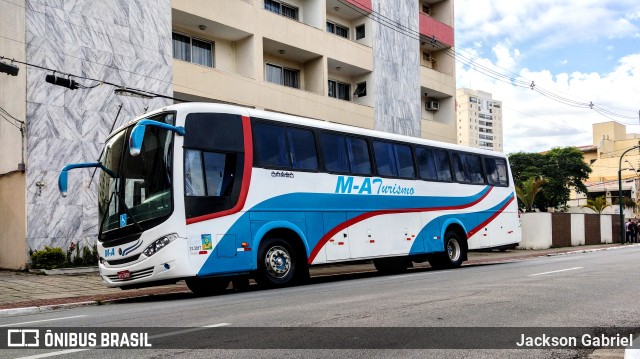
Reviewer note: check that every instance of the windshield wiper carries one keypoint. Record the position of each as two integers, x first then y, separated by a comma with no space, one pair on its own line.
126,208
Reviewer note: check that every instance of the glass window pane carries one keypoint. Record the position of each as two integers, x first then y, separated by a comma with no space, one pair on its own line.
331,27
426,164
273,74
501,166
214,167
272,6
271,146
458,168
343,91
303,149
404,159
335,152
360,33
385,159
202,53
332,88
359,156
443,166
291,78
474,168
342,31
193,175
181,47
492,171
290,12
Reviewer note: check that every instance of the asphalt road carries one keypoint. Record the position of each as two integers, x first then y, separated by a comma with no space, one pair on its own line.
598,289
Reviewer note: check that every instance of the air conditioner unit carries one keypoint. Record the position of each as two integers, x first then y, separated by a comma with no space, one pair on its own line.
432,105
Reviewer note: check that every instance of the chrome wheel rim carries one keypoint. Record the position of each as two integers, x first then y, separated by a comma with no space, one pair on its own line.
278,262
453,249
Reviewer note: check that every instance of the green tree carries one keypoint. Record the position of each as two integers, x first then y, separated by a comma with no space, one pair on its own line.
597,204
562,168
528,191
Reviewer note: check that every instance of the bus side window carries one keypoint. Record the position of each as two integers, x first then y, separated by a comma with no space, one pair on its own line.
496,171
426,164
359,160
302,145
193,173
385,159
443,165
334,150
208,174
404,159
271,147
468,168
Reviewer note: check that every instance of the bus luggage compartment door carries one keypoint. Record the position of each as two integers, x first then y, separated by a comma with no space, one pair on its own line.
337,247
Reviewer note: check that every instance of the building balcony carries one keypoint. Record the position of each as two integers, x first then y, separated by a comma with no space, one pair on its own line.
435,31
198,83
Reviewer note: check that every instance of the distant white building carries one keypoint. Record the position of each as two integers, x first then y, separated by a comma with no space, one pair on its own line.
479,119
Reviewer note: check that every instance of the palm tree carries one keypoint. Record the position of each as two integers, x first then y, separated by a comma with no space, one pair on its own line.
597,204
528,190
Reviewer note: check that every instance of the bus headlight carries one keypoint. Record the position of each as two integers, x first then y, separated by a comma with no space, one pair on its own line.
159,244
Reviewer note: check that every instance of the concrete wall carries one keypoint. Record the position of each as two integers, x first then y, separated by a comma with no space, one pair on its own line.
13,229
546,230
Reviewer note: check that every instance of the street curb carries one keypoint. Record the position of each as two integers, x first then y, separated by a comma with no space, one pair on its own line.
591,250
12,312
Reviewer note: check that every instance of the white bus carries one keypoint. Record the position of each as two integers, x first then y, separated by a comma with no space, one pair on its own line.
211,193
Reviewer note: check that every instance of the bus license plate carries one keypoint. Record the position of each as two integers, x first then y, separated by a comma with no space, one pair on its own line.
124,275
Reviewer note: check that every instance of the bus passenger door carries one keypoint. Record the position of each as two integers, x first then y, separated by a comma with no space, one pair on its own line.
369,237
337,247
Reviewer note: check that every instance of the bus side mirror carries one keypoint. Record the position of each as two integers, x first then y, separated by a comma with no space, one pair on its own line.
137,135
64,174
62,182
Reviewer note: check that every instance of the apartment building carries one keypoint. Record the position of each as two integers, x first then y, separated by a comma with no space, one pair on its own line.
479,120
386,65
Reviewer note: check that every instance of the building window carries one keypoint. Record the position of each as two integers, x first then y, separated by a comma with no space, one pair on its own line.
339,90
339,30
361,89
360,34
192,50
282,76
281,8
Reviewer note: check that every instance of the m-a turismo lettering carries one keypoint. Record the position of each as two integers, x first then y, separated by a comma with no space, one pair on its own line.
586,340
371,186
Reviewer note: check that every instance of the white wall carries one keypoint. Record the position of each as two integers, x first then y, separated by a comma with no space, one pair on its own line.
577,230
606,234
536,230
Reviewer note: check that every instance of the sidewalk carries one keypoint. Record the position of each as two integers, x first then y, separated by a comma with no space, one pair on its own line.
39,292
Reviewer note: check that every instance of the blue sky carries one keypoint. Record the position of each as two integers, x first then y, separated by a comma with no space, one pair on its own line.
583,50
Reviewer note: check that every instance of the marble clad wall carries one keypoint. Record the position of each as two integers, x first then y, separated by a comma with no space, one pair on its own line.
123,42
396,64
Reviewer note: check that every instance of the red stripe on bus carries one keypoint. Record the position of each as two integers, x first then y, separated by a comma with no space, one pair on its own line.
489,220
368,215
246,176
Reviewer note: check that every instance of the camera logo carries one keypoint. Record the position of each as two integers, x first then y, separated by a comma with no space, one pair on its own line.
22,338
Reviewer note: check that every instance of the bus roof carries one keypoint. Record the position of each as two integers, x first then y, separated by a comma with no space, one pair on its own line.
304,121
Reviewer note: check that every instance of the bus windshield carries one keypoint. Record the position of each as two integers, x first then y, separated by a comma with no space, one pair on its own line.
141,189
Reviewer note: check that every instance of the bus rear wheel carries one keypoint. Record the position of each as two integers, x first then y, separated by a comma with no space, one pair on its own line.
277,263
454,252
207,286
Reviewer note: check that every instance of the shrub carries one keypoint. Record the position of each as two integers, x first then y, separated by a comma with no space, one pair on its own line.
90,256
48,258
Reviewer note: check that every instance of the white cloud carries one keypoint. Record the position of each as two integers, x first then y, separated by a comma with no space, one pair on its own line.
564,62
533,122
545,23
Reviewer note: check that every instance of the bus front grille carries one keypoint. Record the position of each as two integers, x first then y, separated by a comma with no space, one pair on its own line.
139,274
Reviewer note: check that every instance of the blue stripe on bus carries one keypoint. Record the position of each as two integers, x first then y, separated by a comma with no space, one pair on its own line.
352,205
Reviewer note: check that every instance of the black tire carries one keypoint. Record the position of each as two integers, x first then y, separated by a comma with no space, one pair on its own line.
392,265
278,264
453,255
207,286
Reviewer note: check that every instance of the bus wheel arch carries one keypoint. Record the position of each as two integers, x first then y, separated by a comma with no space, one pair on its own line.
281,259
455,248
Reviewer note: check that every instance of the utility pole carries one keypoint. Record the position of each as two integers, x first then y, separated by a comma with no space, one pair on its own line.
622,229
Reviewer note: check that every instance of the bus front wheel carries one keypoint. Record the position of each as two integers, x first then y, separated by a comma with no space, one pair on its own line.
277,263
454,252
207,286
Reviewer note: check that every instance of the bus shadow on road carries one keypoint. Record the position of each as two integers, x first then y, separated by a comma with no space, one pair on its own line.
316,279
